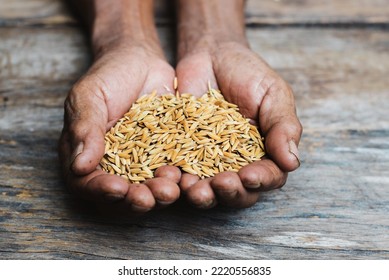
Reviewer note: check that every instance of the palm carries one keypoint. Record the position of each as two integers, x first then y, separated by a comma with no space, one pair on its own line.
263,97
94,105
120,84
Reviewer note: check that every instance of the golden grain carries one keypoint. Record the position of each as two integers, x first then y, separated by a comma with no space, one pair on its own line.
202,136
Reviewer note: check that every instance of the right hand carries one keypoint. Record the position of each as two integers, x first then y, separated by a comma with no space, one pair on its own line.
94,104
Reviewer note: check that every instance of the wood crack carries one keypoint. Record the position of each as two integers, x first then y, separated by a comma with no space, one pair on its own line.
69,22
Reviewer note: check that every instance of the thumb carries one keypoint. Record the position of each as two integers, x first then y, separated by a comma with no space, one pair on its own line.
85,121
281,127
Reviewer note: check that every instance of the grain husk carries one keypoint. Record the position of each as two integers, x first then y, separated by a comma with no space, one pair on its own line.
202,136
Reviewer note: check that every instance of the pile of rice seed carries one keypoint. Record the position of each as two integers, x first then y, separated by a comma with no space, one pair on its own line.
202,136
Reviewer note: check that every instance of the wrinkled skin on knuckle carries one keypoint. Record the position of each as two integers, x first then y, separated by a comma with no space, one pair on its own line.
70,112
300,131
294,125
74,104
250,97
295,128
279,178
83,109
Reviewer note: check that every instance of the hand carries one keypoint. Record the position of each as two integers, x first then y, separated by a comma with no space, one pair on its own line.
213,48
95,103
261,95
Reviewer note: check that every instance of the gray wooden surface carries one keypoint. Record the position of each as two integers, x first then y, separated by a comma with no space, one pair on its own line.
334,207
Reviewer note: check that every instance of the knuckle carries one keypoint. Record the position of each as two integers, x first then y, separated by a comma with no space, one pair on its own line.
70,109
278,177
280,86
299,128
79,128
281,182
295,127
287,89
88,88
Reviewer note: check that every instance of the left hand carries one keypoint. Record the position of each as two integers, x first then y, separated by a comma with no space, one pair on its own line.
261,95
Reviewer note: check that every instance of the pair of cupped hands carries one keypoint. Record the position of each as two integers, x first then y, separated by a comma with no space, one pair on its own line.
121,74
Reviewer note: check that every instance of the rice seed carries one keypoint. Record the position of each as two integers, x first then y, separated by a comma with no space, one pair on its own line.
202,136
141,144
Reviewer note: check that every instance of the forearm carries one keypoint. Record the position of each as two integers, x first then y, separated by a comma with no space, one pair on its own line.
207,23
118,23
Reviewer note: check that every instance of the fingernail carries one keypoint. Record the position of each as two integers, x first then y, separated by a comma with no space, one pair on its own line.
208,204
252,186
294,150
164,203
78,150
140,209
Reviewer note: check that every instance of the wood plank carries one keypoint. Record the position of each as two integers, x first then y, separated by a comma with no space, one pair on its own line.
31,8
22,9
309,59
317,12
267,12
328,70
334,207
57,12
306,219
34,12
38,67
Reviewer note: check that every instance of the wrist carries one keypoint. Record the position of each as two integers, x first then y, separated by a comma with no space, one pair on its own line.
207,25
124,24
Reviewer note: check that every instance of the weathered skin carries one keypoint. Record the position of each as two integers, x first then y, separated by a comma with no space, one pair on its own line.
129,62
211,49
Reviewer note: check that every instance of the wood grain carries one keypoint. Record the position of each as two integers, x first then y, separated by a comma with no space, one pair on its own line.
334,207
264,12
289,12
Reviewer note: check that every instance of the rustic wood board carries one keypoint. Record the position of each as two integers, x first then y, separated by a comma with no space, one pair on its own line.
268,12
335,206
347,12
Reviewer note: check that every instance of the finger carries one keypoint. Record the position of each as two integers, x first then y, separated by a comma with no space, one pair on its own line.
194,73
281,127
187,181
262,175
86,118
171,172
140,198
137,201
201,194
98,186
113,194
162,79
164,190
231,192
119,210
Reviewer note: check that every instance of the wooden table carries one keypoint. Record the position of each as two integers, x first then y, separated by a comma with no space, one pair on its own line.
336,206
